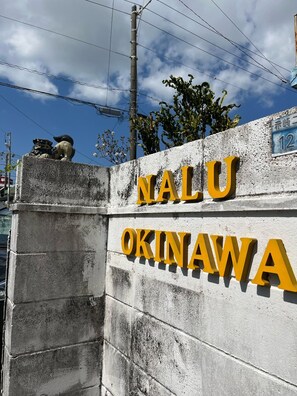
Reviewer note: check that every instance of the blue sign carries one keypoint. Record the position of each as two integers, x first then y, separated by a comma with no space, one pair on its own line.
284,135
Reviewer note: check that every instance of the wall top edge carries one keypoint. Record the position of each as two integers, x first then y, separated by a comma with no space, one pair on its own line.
270,204
71,209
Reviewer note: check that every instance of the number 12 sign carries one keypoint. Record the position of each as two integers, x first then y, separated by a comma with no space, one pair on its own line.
284,135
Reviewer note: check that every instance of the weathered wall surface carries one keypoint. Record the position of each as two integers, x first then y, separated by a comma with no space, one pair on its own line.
55,307
166,330
173,331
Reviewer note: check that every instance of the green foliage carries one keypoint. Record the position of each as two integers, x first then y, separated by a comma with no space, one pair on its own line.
193,114
147,128
10,167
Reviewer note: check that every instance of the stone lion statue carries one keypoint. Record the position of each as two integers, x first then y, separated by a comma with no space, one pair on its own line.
63,150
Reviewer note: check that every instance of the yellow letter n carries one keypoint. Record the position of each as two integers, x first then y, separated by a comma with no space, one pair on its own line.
146,190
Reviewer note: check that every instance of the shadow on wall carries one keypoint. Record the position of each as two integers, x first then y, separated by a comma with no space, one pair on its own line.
263,291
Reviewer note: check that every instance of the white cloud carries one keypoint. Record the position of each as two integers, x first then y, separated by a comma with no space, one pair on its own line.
269,26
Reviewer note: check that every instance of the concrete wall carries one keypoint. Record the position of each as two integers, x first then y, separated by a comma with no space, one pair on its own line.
55,306
173,331
167,330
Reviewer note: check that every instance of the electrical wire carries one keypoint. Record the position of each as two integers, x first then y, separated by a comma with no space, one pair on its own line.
62,34
191,68
258,64
109,53
215,56
237,27
18,67
215,31
97,106
98,4
133,3
105,6
39,125
68,79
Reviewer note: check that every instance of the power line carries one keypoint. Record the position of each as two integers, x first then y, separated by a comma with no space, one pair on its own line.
18,67
39,125
105,6
215,56
258,64
97,106
62,34
68,79
237,27
209,27
109,53
190,67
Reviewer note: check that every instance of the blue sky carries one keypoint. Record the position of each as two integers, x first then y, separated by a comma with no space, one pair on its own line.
246,47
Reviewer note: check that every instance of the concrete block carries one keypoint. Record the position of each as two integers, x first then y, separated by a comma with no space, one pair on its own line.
141,384
38,326
53,372
224,375
117,325
122,378
94,391
37,232
259,173
261,226
54,275
55,182
240,323
105,392
170,303
123,178
171,358
115,372
119,282
186,366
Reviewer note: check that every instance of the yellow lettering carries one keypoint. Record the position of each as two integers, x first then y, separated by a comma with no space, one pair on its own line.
167,189
187,174
159,245
229,256
128,241
143,247
177,248
275,261
145,190
213,172
202,253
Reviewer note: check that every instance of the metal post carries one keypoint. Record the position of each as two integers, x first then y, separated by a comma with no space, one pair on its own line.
295,23
8,164
133,89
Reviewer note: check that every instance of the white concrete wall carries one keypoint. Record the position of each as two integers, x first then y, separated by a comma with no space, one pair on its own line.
55,305
171,331
167,330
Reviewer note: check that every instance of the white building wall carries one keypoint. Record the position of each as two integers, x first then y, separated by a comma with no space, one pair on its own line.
172,331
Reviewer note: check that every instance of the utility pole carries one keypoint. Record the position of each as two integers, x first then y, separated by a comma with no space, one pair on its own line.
133,89
133,86
295,24
7,165
294,71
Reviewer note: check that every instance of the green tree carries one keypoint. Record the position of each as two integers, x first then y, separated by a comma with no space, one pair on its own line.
193,114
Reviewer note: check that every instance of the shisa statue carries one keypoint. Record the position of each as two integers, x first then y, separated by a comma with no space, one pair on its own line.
62,151
42,148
